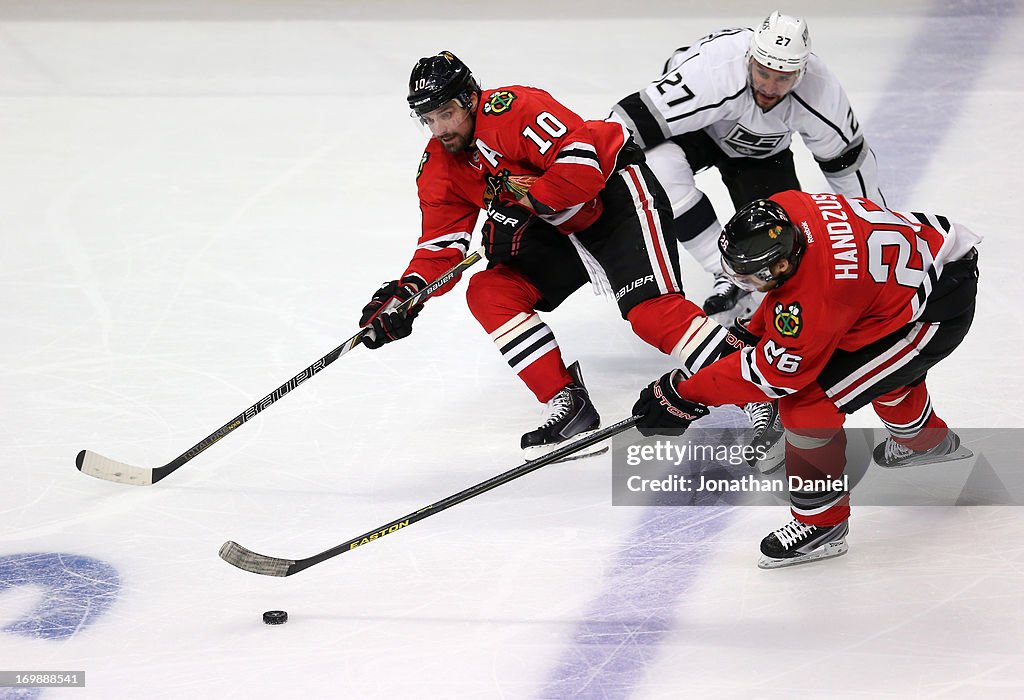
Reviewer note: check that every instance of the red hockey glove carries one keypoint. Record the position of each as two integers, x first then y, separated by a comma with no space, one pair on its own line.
663,411
505,228
381,315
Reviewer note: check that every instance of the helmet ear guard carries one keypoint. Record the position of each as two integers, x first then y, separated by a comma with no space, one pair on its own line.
436,80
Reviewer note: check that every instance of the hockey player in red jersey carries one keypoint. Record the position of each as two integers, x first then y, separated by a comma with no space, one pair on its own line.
567,201
860,303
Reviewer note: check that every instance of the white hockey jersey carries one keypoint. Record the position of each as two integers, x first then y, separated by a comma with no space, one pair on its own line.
705,86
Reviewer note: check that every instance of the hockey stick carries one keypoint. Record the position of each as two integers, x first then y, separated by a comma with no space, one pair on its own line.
102,467
237,555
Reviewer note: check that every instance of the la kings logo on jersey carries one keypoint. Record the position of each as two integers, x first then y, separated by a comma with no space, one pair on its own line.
750,143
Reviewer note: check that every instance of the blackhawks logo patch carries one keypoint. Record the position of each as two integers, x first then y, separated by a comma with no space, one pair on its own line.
788,321
423,161
499,102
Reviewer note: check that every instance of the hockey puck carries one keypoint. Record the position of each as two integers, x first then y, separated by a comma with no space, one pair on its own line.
275,617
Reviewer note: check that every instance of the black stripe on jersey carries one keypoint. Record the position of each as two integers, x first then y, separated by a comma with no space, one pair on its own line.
758,380
931,220
700,44
577,153
713,106
462,243
863,187
724,32
546,338
649,131
822,118
843,161
681,49
926,287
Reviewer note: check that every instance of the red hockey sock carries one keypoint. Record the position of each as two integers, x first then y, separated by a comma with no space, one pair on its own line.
502,300
908,416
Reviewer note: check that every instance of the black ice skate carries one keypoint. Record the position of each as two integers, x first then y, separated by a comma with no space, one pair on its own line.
768,442
893,455
799,543
724,295
570,415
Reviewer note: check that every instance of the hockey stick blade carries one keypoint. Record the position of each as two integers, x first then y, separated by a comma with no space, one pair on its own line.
105,468
100,467
248,560
237,555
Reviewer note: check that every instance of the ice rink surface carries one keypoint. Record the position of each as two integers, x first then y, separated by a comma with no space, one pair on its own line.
195,202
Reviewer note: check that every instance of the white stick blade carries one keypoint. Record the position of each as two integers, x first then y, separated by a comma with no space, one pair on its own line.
105,468
248,560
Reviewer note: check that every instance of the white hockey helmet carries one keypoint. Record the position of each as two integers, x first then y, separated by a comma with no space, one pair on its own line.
781,43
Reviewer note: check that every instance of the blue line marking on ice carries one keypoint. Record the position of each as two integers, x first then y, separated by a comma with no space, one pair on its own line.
925,93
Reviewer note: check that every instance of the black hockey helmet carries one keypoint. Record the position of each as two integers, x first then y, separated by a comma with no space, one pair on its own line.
437,79
756,237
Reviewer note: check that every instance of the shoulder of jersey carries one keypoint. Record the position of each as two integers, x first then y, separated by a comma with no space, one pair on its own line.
817,76
721,59
508,100
434,158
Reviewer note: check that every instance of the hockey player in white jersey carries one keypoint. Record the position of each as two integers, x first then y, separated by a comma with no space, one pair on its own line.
733,101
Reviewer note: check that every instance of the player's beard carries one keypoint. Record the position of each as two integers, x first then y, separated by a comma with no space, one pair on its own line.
758,97
458,142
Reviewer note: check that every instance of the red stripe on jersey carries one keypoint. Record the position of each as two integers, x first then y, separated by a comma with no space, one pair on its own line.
913,345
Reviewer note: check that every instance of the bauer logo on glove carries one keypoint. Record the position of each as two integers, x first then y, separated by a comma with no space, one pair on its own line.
504,231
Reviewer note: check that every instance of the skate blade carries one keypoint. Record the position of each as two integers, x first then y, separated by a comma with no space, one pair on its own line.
832,549
959,453
538,451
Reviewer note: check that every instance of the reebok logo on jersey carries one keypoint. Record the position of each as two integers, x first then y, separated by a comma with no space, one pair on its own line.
499,102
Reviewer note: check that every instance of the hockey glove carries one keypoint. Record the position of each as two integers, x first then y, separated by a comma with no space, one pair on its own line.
663,411
380,315
505,228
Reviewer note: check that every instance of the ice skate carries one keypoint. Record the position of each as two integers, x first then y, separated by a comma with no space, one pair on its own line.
724,295
768,442
892,455
799,543
570,415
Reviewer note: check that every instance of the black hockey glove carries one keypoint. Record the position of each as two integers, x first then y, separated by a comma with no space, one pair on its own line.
663,411
383,319
505,228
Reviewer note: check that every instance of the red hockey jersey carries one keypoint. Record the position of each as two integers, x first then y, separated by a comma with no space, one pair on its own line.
525,140
866,272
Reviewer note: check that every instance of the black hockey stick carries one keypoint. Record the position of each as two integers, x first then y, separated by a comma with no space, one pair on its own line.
102,467
237,555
